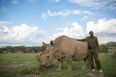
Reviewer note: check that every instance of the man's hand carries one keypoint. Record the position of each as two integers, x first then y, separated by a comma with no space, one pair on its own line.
98,50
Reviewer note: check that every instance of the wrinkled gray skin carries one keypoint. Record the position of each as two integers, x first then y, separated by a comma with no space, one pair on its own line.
44,59
67,49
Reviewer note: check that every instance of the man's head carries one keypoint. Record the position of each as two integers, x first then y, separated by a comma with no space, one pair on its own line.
91,33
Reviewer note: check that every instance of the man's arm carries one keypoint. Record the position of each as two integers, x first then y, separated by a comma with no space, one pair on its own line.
85,39
97,44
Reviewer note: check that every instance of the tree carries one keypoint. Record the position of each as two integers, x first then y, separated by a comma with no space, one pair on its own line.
104,48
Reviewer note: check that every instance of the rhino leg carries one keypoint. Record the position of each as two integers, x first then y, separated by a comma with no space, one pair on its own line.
86,65
69,63
60,66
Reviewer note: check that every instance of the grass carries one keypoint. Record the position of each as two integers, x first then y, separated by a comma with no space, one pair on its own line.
25,65
108,64
16,58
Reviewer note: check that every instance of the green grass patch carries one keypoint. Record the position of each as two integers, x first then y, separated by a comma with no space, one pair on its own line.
14,58
25,65
31,69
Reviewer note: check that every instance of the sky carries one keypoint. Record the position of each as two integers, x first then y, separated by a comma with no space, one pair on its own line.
31,22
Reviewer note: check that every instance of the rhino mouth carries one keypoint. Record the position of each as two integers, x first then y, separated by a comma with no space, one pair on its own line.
46,66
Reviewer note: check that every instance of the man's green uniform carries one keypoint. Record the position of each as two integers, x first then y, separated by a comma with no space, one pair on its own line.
93,47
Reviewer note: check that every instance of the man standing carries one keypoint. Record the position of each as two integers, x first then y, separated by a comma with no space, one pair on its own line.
93,48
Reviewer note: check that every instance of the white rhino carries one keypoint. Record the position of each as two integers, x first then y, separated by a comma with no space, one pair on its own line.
44,59
68,49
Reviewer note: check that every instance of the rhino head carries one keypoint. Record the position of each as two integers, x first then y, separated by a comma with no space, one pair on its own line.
44,59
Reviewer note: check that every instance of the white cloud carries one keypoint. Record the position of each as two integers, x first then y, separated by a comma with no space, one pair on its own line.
15,1
106,39
97,4
80,1
5,23
33,35
102,25
65,13
54,1
85,18
85,2
24,31
21,34
3,28
87,12
104,28
74,31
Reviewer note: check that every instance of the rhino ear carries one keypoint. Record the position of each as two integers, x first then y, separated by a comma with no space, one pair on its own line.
43,43
40,53
52,42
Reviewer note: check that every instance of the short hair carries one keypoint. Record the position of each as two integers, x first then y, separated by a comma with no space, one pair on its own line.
90,32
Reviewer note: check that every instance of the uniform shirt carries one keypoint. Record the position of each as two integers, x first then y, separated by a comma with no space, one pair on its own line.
92,42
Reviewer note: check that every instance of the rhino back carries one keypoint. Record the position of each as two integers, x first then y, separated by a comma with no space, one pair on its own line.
70,47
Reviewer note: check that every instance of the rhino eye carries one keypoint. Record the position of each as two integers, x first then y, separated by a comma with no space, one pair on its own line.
47,56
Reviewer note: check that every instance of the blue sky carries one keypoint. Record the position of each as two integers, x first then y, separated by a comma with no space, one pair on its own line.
29,22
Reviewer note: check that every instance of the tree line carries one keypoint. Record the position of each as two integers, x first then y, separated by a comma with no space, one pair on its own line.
34,49
20,49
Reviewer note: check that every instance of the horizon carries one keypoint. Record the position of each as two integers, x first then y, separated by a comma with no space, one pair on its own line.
39,45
